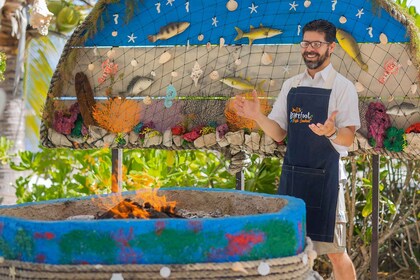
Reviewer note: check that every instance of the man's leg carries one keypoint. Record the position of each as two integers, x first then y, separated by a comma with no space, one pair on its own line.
343,268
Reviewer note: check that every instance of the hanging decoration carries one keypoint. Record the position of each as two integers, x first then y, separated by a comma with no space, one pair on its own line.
391,67
165,57
109,69
40,17
232,5
253,8
196,73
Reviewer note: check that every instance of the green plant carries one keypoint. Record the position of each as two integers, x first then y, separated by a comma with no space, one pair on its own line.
3,59
5,146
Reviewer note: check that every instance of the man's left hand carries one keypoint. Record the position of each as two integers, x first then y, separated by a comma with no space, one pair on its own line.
326,129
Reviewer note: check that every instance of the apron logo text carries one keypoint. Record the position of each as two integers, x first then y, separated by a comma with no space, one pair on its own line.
297,116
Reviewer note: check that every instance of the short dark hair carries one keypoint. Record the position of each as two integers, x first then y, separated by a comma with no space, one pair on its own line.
322,26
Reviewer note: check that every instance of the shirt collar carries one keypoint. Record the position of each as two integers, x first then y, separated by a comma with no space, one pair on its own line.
323,73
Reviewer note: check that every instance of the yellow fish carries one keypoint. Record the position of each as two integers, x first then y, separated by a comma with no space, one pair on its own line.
257,33
169,31
350,46
241,84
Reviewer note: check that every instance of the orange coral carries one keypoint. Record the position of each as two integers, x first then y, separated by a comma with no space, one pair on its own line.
117,115
237,122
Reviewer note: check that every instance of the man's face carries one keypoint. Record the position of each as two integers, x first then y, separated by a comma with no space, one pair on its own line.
315,57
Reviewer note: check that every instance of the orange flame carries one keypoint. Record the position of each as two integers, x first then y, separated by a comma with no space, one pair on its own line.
124,209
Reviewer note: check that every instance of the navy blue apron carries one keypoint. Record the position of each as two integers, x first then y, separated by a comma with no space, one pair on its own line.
310,167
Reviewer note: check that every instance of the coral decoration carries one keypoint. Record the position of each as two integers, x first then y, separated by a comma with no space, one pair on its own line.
222,129
117,115
413,128
236,122
178,130
391,67
378,122
395,140
193,134
64,121
109,69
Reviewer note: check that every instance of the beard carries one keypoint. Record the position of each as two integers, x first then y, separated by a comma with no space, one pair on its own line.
314,64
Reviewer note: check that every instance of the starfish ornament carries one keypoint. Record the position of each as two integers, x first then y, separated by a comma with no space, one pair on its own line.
293,5
131,38
359,13
253,8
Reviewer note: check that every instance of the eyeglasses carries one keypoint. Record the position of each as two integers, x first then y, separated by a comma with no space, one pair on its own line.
314,44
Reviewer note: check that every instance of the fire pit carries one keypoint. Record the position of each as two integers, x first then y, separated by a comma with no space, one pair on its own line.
253,227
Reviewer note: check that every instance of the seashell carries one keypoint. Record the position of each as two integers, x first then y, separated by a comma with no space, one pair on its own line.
264,268
391,98
134,63
214,75
305,259
409,62
147,100
208,45
238,61
200,37
91,66
237,266
272,82
266,59
342,20
114,33
232,5
165,272
383,39
221,42
359,87
174,74
165,57
110,53
413,88
153,73
307,3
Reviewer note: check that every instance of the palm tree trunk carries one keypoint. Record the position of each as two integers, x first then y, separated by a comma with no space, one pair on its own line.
12,34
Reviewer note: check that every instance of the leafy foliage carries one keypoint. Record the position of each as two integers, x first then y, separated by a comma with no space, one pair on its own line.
2,65
411,10
60,173
5,146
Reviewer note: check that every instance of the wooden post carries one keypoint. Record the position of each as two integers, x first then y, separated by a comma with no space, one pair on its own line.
240,181
116,159
375,218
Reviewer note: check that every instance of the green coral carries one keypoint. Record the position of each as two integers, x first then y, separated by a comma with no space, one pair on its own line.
395,140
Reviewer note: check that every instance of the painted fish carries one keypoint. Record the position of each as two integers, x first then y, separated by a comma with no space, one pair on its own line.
403,109
169,31
351,47
240,83
257,33
138,84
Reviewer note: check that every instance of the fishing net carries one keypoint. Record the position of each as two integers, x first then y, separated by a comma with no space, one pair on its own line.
162,74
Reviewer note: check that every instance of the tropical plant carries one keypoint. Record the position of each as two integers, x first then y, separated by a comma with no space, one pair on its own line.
2,65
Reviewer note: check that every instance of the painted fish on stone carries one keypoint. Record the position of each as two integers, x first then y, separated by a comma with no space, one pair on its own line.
169,31
351,47
403,109
241,84
137,85
257,33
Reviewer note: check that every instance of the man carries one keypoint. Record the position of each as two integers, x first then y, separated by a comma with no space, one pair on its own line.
318,111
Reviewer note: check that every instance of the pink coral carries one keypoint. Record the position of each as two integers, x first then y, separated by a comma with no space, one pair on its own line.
378,122
64,120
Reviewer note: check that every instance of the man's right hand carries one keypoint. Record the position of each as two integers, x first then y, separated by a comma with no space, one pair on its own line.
248,108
